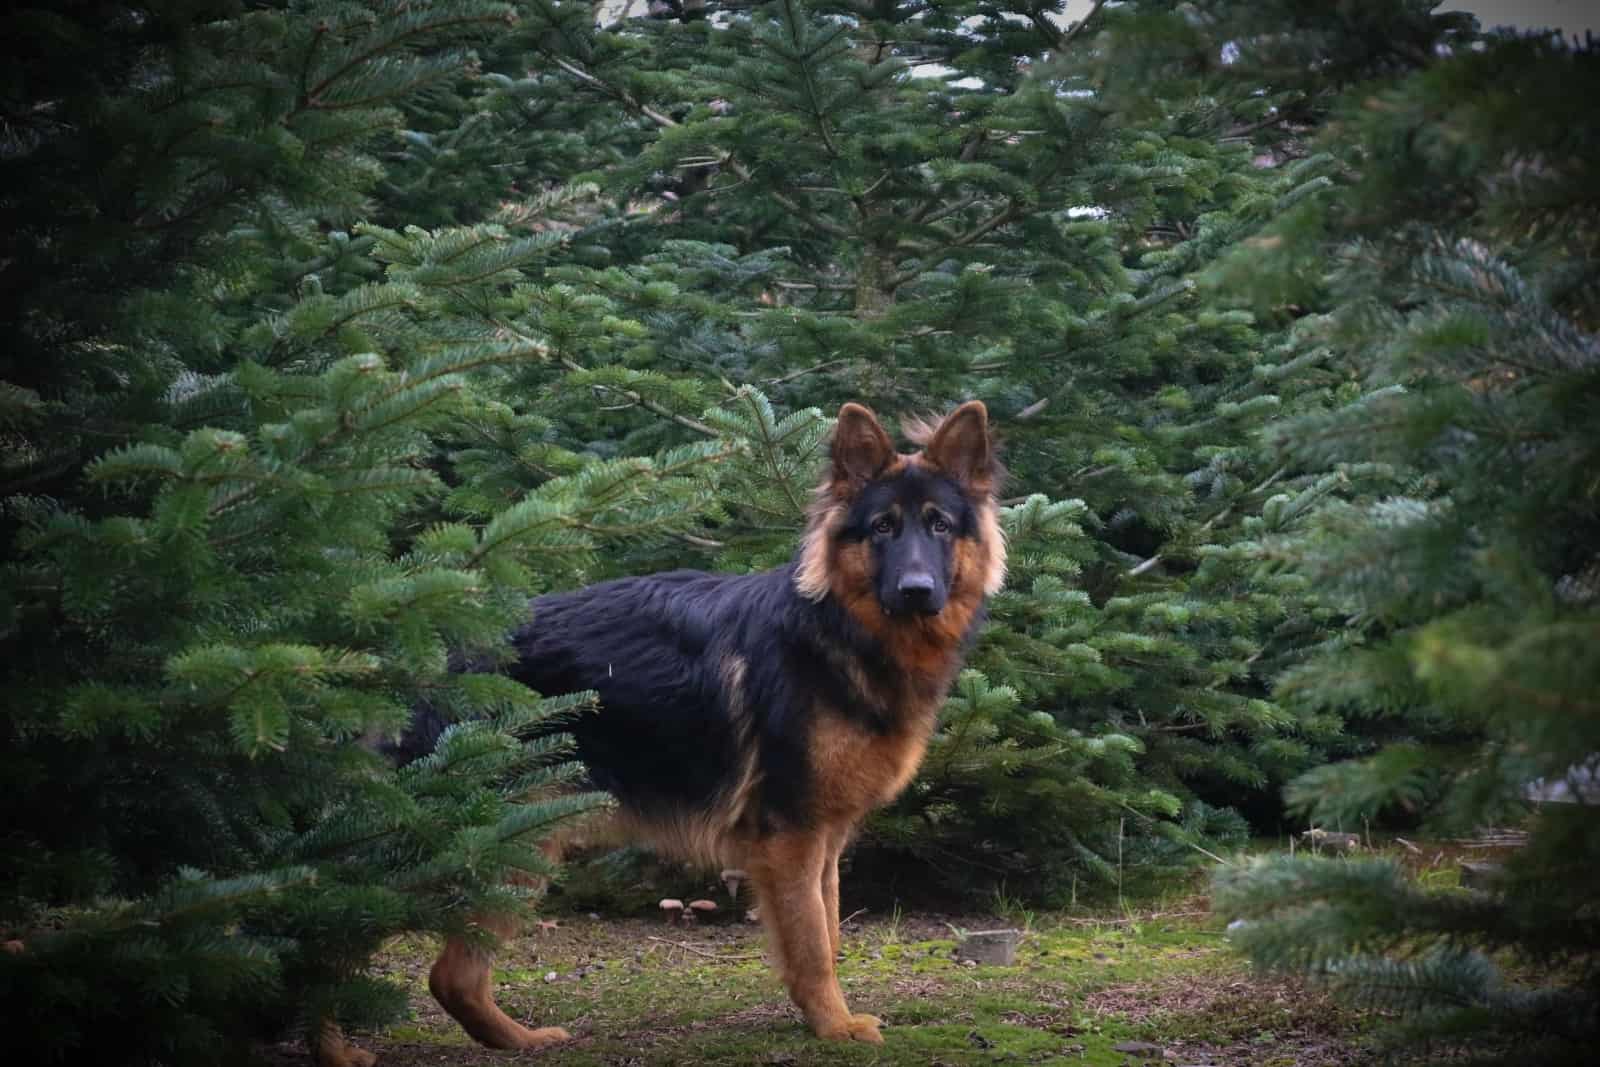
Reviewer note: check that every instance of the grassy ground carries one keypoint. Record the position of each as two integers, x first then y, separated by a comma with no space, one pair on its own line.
1161,986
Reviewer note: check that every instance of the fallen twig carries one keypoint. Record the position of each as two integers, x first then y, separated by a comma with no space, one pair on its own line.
702,952
1152,917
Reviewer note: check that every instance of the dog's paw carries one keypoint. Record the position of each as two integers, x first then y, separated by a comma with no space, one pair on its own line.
343,1054
544,1035
859,1027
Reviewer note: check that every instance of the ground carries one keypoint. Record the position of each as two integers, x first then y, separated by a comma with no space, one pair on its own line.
1116,988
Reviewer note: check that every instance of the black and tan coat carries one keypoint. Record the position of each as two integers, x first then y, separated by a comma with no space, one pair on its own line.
753,720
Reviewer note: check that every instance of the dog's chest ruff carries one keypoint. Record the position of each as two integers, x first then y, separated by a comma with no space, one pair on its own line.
856,769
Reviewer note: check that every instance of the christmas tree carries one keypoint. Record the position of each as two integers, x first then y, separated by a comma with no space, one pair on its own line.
1449,273
335,332
268,470
910,205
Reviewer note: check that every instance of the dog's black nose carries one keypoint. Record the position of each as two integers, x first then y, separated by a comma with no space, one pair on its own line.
916,589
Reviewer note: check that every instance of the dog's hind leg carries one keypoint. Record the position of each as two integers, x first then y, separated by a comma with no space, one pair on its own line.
788,871
462,982
330,1049
830,901
830,889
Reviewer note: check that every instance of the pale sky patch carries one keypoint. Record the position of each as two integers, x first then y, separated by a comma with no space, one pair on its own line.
1568,16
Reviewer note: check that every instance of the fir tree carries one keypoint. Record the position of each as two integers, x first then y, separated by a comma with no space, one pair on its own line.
331,341
267,470
1454,271
830,226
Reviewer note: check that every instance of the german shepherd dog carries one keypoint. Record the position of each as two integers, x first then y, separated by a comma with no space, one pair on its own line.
752,721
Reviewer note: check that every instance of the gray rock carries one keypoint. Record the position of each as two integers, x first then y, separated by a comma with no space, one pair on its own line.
997,948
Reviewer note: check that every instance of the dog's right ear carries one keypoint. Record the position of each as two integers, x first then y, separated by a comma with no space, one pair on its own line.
861,450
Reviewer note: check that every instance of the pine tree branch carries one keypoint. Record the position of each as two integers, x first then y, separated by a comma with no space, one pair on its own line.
1246,130
1206,526
824,287
644,402
993,222
769,448
617,93
950,209
969,151
815,108
1144,567
636,399
1077,27
699,542
1055,38
667,122
811,219
156,222
308,99
1046,28
999,218
802,373
869,190
320,33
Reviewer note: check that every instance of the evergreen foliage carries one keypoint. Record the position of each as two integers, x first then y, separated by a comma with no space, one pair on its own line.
319,469
333,332
1456,283
909,205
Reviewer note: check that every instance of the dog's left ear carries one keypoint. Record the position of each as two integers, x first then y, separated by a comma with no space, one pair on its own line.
961,448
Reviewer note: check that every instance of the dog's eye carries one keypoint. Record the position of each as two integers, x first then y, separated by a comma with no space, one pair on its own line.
939,525
883,525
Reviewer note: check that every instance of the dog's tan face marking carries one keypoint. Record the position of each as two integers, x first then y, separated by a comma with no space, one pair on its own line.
957,449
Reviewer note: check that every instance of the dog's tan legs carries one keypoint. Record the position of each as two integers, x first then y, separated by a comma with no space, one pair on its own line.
461,981
830,900
830,888
788,871
330,1049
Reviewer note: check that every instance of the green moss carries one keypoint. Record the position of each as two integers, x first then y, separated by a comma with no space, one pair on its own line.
638,991
443,1037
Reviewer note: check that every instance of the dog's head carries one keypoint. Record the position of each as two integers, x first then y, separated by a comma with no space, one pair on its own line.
913,531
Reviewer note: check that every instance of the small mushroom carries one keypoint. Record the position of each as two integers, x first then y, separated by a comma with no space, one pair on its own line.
733,878
671,909
753,915
704,907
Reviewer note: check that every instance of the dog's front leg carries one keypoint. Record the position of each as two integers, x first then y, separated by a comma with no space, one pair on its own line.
788,871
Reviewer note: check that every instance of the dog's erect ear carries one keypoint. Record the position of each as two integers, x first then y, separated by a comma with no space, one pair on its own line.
860,447
961,448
